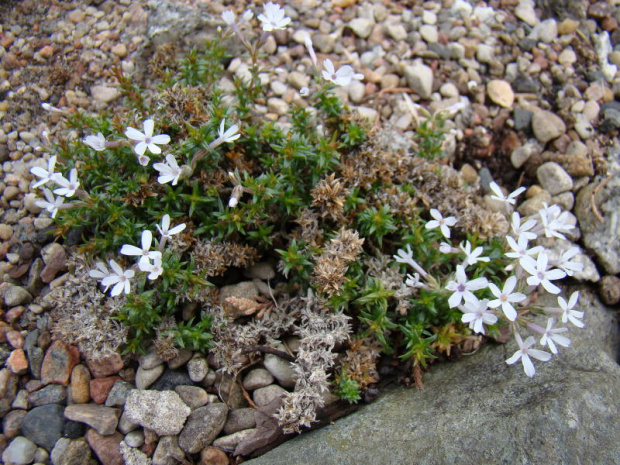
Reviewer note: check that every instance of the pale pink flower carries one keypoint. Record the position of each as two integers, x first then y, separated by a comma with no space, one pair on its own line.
505,298
551,337
568,314
273,17
540,274
342,77
524,353
146,140
119,278
477,314
444,224
45,175
499,195
462,288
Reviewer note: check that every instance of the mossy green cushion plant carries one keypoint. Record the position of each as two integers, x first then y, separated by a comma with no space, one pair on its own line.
378,251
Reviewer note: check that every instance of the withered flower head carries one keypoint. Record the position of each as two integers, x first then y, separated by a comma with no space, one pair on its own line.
329,196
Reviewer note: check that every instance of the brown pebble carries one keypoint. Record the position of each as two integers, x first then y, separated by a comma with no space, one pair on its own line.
213,456
58,363
15,339
47,51
100,388
609,290
80,384
568,26
610,24
13,314
17,362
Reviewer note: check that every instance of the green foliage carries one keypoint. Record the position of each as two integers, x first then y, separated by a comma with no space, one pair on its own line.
430,137
346,388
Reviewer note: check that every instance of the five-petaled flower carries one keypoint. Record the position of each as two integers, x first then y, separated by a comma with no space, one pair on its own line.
568,314
145,254
520,250
100,273
67,186
523,229
119,278
505,298
444,224
45,175
342,77
169,171
95,142
51,204
551,337
499,195
524,353
273,17
476,313
463,288
229,17
540,274
154,269
472,257
146,140
165,230
228,135
567,264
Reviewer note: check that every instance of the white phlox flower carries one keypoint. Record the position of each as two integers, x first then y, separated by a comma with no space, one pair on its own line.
554,221
406,256
67,186
540,274
51,204
568,314
565,262
226,135
169,171
524,353
342,77
444,224
505,298
145,254
273,17
472,257
146,140
520,250
499,195
154,269
45,175
119,278
462,288
414,281
304,91
166,231
476,313
100,273
523,229
96,142
229,17
551,337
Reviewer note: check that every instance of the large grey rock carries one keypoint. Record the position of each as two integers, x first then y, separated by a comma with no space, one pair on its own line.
160,411
601,237
481,410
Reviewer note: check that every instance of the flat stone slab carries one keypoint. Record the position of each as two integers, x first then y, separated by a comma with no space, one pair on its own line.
481,410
